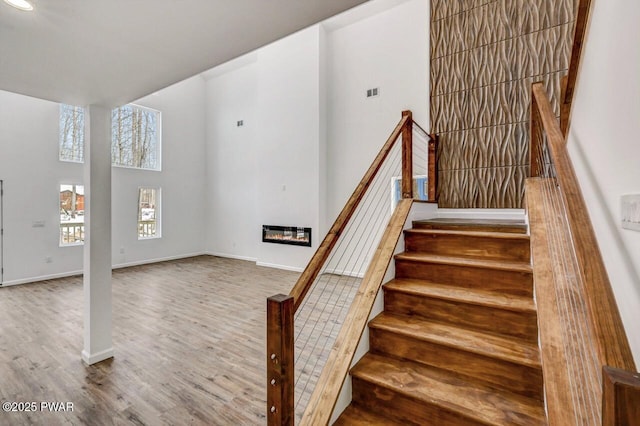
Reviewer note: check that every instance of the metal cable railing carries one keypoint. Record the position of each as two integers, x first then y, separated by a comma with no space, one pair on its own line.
313,315
587,327
322,313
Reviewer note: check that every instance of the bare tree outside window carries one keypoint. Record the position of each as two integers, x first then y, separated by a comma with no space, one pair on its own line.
71,133
135,137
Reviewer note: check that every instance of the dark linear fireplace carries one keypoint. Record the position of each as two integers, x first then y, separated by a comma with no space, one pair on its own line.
293,235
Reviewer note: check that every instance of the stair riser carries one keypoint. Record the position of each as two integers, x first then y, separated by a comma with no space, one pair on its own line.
517,378
398,406
509,323
508,282
467,245
521,229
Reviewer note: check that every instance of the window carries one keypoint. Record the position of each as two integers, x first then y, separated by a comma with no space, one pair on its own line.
71,215
135,137
148,213
71,133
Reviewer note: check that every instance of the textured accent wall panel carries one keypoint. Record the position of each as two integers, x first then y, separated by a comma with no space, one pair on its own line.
485,54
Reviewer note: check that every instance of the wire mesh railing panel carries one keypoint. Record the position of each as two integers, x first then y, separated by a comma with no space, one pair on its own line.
319,318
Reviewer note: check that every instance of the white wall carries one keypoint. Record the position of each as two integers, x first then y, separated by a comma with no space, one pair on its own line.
308,136
289,142
313,131
603,144
181,181
232,177
32,174
388,50
266,172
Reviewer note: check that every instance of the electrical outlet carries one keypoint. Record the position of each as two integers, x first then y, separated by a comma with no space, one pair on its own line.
121,250
48,259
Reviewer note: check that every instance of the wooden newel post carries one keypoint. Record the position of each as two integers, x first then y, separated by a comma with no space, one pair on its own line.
280,359
535,148
565,106
407,156
432,164
620,397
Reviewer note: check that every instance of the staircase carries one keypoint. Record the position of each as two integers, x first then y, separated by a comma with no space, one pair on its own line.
456,343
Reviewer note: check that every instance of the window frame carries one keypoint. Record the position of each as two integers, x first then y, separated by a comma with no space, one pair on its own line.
82,129
157,213
158,137
61,243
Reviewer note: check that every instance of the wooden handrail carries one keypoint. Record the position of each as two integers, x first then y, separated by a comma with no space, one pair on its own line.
535,138
432,164
611,339
323,399
570,80
302,286
620,397
569,361
407,156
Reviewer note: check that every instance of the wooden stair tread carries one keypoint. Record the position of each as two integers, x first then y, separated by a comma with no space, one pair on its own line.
449,391
471,296
500,225
469,233
504,348
504,265
355,415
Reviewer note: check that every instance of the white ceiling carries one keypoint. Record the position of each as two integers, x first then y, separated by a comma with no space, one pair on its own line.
111,52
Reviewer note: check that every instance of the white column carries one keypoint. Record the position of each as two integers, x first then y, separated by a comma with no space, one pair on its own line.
98,345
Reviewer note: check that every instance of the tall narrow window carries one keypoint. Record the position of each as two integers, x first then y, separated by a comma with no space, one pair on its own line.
148,213
71,215
135,137
71,133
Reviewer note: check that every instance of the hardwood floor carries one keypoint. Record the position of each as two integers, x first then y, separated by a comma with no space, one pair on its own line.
188,338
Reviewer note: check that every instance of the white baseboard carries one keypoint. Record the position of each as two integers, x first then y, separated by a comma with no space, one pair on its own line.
156,260
285,267
91,359
42,278
253,259
80,272
231,256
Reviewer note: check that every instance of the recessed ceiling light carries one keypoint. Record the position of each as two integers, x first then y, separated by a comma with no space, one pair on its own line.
20,4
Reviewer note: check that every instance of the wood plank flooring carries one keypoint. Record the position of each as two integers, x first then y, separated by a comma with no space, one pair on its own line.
188,338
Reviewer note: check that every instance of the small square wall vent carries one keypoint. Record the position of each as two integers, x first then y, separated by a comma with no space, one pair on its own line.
372,92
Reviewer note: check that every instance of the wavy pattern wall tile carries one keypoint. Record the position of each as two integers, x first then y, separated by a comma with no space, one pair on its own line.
485,54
